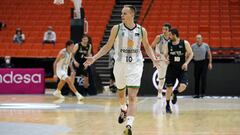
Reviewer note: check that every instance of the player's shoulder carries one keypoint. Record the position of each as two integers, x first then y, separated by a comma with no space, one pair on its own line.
159,36
62,51
186,42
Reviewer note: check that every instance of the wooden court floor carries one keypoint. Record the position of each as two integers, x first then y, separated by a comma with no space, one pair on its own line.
97,115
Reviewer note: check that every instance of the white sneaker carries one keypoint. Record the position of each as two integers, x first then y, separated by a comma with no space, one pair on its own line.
160,96
58,94
79,96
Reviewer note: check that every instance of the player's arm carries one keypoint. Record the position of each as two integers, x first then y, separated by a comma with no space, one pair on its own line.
189,52
59,57
71,65
76,46
154,43
105,48
189,55
89,51
148,48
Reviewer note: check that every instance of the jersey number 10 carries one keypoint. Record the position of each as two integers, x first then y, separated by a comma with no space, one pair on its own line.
128,58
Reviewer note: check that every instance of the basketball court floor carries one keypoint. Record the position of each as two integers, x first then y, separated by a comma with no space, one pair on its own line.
97,115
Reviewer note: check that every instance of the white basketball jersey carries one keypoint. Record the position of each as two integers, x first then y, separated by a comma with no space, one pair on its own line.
160,44
65,61
127,44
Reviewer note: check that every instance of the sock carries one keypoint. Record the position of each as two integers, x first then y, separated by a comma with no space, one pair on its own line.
124,107
130,120
76,93
168,101
175,92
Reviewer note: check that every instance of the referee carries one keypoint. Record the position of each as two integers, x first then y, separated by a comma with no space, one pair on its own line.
202,62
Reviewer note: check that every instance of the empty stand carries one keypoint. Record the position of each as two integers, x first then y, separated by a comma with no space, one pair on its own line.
34,17
217,20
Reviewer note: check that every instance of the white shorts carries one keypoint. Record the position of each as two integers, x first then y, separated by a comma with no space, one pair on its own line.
162,70
62,74
128,74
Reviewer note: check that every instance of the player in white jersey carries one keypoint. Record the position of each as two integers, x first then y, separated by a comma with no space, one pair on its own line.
60,68
127,38
158,43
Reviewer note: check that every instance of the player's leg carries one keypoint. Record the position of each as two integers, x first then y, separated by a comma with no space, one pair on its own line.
183,82
73,89
132,108
61,74
133,77
57,93
170,81
161,77
77,6
121,85
73,76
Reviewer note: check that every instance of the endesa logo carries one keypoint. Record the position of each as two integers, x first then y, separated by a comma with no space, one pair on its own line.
15,78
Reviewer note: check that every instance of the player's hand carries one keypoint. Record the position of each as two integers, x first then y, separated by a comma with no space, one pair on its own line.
89,61
76,64
210,66
185,67
73,73
55,78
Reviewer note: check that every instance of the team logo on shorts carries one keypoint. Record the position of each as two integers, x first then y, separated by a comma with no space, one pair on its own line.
155,81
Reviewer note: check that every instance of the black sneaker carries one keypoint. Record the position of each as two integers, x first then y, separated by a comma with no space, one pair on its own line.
197,96
128,130
174,98
168,109
122,117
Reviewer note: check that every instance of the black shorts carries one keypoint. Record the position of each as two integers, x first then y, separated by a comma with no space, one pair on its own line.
173,73
80,70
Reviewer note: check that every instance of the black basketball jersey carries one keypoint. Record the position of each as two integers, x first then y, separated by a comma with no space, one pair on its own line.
176,53
81,53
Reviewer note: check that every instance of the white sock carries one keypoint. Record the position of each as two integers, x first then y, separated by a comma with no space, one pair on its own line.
124,107
58,90
130,120
76,93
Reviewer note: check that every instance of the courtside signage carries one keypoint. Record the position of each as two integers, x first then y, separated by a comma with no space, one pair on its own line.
22,81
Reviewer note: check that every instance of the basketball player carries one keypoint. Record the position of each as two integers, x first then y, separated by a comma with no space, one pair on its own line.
60,68
158,43
127,38
179,53
84,49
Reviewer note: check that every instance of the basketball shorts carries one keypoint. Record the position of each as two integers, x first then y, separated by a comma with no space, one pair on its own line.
174,73
128,74
62,74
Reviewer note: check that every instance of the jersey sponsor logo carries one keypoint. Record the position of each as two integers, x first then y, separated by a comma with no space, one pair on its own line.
129,50
179,53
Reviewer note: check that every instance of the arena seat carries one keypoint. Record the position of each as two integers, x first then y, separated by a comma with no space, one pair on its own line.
34,17
217,20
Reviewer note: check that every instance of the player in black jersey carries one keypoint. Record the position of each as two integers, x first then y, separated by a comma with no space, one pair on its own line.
179,53
84,50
